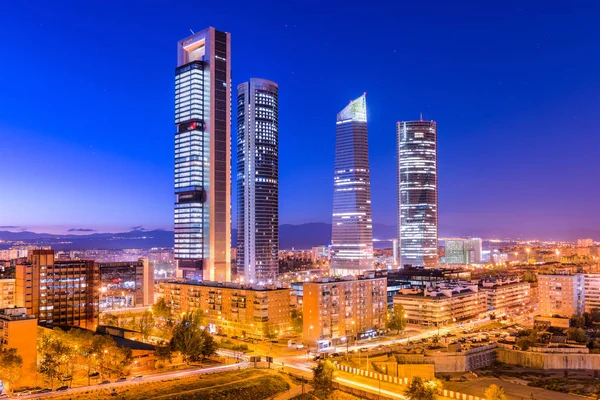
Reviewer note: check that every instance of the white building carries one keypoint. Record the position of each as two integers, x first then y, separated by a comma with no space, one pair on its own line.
506,293
592,291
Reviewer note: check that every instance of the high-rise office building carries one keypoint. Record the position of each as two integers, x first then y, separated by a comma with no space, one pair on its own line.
474,249
455,251
257,180
352,231
417,192
202,156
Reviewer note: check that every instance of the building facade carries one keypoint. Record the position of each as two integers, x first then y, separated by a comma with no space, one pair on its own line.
59,292
202,156
561,294
352,230
339,310
455,251
506,294
233,309
447,303
18,330
257,180
126,284
417,192
7,292
592,291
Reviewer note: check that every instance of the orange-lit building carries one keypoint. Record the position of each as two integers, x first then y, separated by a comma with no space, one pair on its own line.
18,330
58,292
337,310
233,309
7,292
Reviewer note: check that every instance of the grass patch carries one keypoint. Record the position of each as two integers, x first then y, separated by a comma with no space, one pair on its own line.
246,384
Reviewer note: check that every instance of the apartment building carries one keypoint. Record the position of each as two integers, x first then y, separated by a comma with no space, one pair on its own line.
561,294
505,294
345,309
18,330
445,303
233,309
7,292
592,291
58,292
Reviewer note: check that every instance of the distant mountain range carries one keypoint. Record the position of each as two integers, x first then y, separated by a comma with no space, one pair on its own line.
302,236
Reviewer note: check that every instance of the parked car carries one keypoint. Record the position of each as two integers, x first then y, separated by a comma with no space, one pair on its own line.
137,378
121,379
46,390
62,389
104,383
94,374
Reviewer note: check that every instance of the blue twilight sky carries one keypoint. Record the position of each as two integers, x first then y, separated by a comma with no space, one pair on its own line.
86,106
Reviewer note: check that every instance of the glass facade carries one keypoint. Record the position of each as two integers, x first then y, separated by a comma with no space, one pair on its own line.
417,192
202,156
352,231
257,181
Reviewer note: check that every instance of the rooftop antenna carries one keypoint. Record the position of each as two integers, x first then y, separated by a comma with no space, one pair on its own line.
421,116
193,33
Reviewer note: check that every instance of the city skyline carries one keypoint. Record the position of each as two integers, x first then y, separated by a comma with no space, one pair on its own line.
488,145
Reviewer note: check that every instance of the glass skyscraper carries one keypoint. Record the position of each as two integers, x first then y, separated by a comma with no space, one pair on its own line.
417,192
352,230
202,156
257,181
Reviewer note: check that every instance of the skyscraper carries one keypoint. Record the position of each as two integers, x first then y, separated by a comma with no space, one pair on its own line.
257,180
417,192
352,231
202,156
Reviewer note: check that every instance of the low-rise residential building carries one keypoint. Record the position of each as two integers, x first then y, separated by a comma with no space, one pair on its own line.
445,303
505,293
7,292
561,294
233,309
18,330
336,310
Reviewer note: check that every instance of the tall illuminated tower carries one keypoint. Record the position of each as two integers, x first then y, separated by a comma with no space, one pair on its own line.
417,192
257,180
352,230
202,156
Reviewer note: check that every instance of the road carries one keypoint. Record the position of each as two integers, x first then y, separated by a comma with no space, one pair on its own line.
243,363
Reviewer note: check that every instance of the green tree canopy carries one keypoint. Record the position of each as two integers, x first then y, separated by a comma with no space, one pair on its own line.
11,367
419,390
397,319
190,339
161,309
323,376
577,334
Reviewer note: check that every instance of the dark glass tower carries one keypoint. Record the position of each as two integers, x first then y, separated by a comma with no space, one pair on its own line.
417,192
202,156
257,181
352,231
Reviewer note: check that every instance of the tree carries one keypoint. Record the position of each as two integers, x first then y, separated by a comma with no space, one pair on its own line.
419,390
209,345
530,276
109,319
526,339
577,334
595,314
297,321
268,332
577,321
55,355
323,376
11,366
494,392
161,309
145,325
397,319
187,337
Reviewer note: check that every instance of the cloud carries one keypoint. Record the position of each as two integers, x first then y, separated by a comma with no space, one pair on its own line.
81,230
9,227
138,228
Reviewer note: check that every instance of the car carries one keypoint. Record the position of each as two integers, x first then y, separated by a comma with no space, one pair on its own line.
45,390
66,378
137,378
4,396
94,374
62,389
104,383
121,379
364,349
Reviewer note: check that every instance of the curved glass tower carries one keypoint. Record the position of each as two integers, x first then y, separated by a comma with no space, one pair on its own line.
202,156
257,181
352,231
417,192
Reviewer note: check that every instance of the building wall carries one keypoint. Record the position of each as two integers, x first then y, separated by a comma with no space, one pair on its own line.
239,311
562,295
505,297
21,333
592,291
343,308
437,310
7,292
549,360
